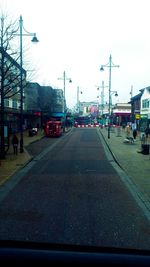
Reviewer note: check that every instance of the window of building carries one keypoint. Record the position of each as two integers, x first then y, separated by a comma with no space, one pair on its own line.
145,103
14,103
6,102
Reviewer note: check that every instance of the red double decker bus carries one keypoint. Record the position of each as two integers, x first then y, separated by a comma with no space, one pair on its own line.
53,128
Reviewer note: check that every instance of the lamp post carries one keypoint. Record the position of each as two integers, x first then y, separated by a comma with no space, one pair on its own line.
34,40
64,78
116,94
102,96
109,65
78,100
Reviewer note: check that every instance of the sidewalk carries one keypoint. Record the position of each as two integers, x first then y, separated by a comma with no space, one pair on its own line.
12,163
136,165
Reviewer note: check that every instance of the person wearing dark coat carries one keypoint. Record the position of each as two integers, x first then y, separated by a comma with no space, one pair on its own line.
146,132
134,134
15,142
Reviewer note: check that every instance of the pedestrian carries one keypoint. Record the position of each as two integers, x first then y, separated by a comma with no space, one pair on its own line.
128,131
44,127
146,132
15,142
134,134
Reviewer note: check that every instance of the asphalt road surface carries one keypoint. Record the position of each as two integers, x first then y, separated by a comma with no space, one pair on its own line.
70,194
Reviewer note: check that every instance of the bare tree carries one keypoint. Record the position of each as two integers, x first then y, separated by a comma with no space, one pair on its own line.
7,76
11,58
10,68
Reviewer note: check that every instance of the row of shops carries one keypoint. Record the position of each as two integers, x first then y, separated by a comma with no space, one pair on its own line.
13,119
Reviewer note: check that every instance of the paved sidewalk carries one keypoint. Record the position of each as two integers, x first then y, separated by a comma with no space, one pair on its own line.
12,163
136,165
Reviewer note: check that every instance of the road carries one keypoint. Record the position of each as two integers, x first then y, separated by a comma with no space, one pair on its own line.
70,193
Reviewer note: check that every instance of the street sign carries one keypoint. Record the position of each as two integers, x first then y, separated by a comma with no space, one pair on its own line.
137,116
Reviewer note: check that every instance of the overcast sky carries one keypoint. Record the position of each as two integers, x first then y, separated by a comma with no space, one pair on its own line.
78,36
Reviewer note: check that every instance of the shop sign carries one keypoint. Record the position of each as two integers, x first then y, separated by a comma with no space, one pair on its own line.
37,113
137,116
144,116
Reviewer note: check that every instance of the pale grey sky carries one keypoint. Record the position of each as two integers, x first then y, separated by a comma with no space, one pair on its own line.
78,36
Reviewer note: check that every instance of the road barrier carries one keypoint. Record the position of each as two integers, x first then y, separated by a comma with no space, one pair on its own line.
88,126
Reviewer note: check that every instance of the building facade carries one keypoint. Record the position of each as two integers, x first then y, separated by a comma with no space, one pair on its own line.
136,109
10,90
145,109
42,103
121,113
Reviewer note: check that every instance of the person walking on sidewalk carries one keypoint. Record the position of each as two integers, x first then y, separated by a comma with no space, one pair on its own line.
134,134
146,132
15,142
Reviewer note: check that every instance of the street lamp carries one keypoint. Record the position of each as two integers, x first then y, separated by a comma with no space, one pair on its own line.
109,65
34,40
64,78
78,100
116,94
102,96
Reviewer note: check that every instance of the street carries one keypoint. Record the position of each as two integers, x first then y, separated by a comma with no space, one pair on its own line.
70,194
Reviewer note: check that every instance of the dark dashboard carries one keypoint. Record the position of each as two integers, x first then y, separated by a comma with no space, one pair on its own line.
23,253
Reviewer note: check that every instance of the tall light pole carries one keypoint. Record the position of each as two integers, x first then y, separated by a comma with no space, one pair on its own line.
78,100
102,95
109,65
34,40
131,91
64,78
78,109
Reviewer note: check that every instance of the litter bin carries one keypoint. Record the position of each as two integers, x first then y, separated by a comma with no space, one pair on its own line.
145,149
